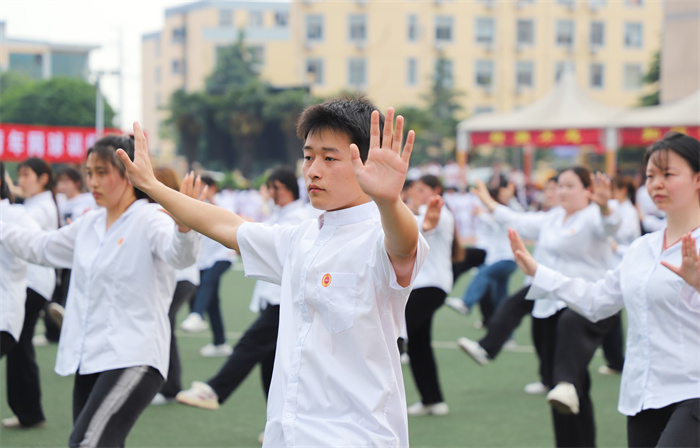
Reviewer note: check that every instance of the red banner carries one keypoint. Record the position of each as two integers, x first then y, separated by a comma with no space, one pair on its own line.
55,144
541,139
647,136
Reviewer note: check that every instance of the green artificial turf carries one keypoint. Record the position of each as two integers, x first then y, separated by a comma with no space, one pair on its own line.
488,407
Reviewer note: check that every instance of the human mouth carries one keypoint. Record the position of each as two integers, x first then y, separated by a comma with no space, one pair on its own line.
314,188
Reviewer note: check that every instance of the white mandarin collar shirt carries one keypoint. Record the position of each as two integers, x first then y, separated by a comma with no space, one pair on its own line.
266,293
337,378
492,236
577,245
13,271
122,283
42,208
437,269
662,359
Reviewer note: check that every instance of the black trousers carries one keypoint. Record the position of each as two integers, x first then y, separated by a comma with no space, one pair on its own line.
107,404
421,306
577,339
7,343
676,425
473,257
257,345
613,345
184,293
23,385
505,320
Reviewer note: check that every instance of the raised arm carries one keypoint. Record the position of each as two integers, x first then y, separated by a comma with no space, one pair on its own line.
382,178
215,222
689,270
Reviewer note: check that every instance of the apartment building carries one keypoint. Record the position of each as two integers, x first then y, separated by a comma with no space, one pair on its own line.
41,59
680,61
501,54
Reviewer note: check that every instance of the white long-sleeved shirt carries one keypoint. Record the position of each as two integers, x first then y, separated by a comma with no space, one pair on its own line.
630,228
13,272
266,293
662,359
492,236
577,245
337,378
75,207
42,208
437,269
122,283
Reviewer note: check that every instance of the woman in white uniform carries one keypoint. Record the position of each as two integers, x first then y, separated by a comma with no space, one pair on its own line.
116,334
657,282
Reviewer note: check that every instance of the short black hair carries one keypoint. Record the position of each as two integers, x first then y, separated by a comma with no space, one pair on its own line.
208,180
72,174
583,173
5,192
432,181
106,150
286,176
39,167
349,115
684,145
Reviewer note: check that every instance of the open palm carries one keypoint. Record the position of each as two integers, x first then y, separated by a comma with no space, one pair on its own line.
383,174
689,270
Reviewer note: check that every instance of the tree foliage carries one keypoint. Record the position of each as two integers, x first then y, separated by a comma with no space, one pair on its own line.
652,77
59,101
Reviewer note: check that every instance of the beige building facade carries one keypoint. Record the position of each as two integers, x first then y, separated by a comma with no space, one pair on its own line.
680,55
501,54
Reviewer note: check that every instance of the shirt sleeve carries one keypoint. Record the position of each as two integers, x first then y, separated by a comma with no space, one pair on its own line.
387,269
607,226
263,250
527,224
25,240
594,300
176,248
690,297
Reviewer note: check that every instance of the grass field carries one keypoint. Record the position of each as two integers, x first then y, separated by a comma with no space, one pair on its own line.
487,405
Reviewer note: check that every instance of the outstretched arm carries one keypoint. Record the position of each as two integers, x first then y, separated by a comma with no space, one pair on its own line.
689,270
382,178
215,222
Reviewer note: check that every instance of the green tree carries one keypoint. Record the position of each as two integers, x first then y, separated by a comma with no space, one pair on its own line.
59,101
652,77
187,117
284,107
235,67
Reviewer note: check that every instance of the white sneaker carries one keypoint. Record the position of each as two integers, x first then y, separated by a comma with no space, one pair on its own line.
536,388
212,351
161,399
474,350
200,395
14,423
457,304
194,323
605,370
405,359
564,398
40,340
510,345
56,313
261,437
419,409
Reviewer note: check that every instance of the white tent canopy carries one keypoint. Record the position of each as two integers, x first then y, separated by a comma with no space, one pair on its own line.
683,112
566,106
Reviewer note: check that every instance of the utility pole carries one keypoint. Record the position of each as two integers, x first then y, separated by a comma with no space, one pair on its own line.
100,101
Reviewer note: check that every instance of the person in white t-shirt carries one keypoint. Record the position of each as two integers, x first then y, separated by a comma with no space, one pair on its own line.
345,277
116,335
430,288
658,283
35,178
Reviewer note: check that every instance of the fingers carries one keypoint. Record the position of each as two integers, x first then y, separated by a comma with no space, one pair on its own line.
388,128
125,159
675,269
516,243
374,130
398,135
355,157
408,147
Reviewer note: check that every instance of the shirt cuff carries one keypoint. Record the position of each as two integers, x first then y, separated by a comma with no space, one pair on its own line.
690,297
542,283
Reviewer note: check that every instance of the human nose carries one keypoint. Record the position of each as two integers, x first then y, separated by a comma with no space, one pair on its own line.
314,171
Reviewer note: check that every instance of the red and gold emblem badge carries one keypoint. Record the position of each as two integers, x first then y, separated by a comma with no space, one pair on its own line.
326,280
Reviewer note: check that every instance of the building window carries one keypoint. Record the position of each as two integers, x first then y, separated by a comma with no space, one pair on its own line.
357,72
596,4
597,76
484,30
634,2
412,28
281,18
633,35
443,73
566,2
412,71
178,67
159,100
560,68
525,32
632,76
443,29
484,73
565,33
314,28
257,53
524,74
225,17
597,34
29,64
157,47
179,35
314,71
478,110
357,27
255,19
157,77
